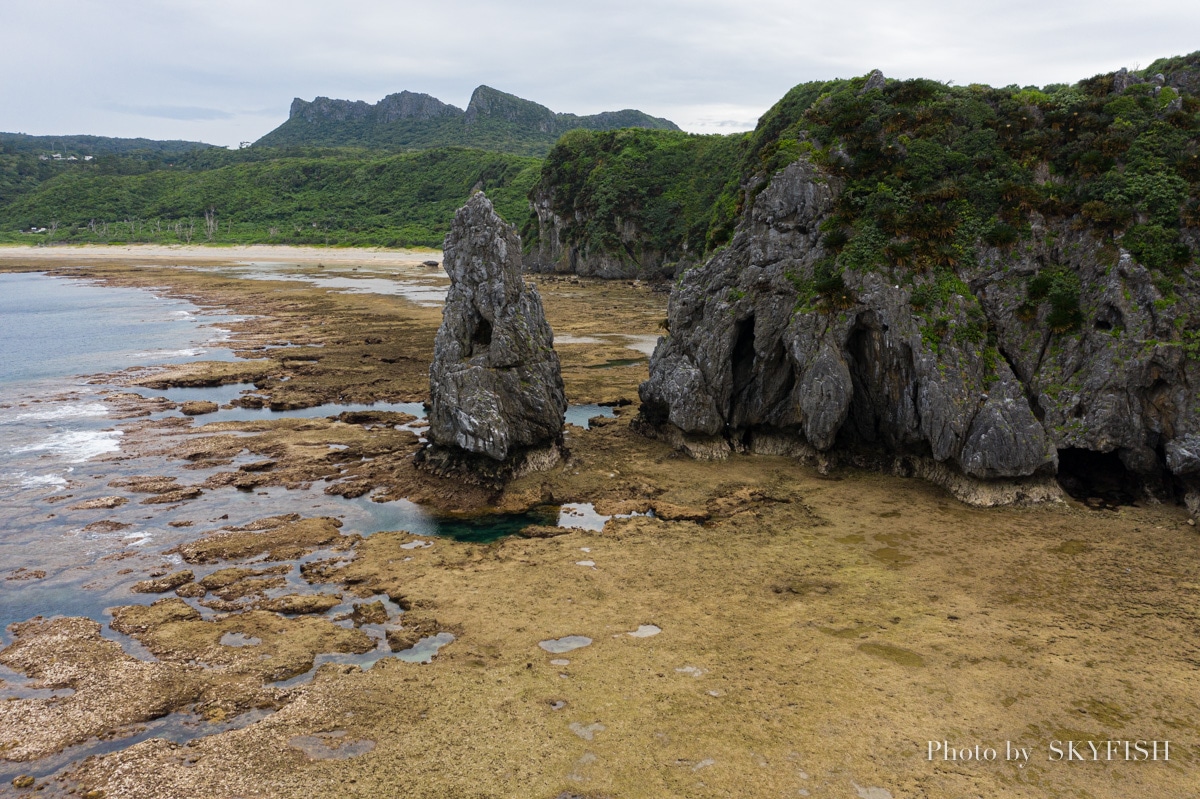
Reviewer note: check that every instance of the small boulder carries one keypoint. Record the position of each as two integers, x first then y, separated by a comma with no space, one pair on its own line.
198,407
99,503
369,613
161,585
302,603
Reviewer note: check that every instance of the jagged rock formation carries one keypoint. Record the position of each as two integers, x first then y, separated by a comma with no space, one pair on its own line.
496,392
394,107
983,396
493,120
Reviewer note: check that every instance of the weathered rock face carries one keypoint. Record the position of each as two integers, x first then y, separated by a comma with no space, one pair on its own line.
959,378
496,390
553,253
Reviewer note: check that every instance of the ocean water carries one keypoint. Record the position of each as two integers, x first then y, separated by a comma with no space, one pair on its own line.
59,447
56,437
52,327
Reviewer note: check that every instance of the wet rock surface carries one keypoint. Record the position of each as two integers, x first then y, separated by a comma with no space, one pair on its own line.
110,688
276,537
960,378
161,585
198,407
496,390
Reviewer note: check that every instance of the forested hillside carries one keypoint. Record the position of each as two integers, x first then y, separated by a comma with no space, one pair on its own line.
326,197
28,161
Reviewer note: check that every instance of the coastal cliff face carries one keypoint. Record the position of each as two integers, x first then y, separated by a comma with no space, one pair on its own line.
496,390
554,248
989,361
630,203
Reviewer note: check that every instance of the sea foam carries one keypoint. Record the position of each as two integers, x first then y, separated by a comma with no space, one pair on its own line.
76,446
57,413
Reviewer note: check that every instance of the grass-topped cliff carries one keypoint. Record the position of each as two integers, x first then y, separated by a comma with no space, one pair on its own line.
934,171
631,202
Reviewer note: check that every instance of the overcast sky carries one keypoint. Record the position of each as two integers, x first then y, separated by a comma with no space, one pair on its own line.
225,71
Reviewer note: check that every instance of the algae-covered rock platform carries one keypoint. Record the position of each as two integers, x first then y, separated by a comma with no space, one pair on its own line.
815,632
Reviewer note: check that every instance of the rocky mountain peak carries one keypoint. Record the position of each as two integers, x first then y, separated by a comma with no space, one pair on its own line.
414,105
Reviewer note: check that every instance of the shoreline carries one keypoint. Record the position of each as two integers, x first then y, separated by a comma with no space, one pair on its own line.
20,254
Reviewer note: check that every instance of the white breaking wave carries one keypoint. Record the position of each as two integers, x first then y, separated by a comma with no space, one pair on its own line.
58,413
27,480
188,353
76,446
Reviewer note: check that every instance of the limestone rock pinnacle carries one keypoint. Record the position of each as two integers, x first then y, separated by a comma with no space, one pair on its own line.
496,390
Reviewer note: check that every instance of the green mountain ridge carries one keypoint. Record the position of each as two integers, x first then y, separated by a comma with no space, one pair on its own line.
352,198
493,120
81,145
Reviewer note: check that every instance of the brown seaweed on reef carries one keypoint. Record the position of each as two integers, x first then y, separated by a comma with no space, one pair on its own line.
278,538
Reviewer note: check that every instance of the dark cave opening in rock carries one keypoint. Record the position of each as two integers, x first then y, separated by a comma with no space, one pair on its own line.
883,409
743,364
481,339
1097,478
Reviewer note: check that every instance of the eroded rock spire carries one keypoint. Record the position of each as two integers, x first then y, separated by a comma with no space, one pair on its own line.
496,390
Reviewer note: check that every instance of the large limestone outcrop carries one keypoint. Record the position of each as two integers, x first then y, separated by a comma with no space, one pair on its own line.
496,391
961,378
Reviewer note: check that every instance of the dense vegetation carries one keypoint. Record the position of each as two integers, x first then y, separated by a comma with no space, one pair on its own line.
332,197
494,120
336,172
673,188
28,161
94,145
933,172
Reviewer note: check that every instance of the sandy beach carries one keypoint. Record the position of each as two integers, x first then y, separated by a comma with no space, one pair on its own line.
124,253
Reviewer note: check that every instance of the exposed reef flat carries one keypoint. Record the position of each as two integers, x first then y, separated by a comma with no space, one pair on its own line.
816,631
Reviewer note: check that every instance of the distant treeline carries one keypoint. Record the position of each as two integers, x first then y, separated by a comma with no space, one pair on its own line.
259,195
